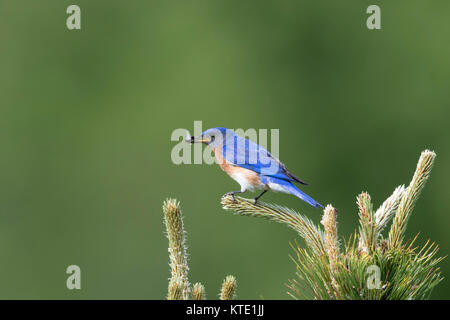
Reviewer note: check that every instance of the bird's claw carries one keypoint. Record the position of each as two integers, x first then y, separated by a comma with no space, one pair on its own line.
230,194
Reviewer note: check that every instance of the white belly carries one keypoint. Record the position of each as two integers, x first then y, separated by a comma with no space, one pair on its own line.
277,187
242,179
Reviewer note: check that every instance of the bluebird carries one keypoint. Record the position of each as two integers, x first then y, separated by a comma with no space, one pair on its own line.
250,165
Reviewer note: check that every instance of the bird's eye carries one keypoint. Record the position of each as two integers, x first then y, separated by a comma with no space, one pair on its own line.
212,138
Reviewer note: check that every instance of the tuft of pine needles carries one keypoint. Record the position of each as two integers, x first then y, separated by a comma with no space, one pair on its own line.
368,266
228,288
412,193
179,286
198,292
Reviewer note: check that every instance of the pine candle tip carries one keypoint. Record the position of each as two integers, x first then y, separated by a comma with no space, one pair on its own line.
177,289
198,292
171,206
228,288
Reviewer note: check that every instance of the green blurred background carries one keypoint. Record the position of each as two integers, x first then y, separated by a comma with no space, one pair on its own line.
86,118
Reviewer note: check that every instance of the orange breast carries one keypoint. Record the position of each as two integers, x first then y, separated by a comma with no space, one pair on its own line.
233,170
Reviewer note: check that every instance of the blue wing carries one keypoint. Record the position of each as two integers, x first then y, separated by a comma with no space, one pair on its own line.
249,155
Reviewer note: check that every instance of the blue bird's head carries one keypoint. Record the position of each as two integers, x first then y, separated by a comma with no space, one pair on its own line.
213,137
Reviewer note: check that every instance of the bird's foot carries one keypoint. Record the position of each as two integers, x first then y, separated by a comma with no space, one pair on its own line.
230,194
257,198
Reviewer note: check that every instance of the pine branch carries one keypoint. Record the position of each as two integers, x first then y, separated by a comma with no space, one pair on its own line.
369,266
367,229
388,209
331,241
228,288
198,292
177,249
179,287
408,201
304,226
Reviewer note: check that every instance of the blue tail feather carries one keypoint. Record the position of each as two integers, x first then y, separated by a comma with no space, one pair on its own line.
297,192
291,188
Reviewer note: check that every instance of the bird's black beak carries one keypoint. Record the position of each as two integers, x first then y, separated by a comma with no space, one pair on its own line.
200,139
